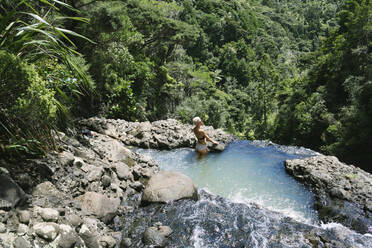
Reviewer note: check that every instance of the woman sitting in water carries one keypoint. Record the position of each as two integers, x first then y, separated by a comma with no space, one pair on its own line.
201,145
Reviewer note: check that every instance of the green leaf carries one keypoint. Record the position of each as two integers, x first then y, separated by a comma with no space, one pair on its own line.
75,34
37,18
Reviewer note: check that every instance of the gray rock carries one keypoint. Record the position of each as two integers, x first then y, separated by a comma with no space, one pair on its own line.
11,192
74,220
89,237
22,229
5,205
107,242
46,230
93,203
24,216
137,185
78,162
48,214
157,235
123,171
125,243
2,228
46,189
68,237
168,186
20,242
93,173
106,181
66,158
342,190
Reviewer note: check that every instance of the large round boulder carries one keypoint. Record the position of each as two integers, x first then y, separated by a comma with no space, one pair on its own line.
167,186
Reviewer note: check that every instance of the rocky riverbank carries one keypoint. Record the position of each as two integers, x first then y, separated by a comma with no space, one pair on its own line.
343,192
95,192
163,134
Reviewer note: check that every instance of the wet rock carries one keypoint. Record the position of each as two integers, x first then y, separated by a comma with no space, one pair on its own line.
107,242
167,186
342,190
93,203
66,158
157,235
46,230
24,216
20,242
125,243
10,193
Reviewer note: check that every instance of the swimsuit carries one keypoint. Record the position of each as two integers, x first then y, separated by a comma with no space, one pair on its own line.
200,147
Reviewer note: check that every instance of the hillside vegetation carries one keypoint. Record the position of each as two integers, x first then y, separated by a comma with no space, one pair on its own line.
292,71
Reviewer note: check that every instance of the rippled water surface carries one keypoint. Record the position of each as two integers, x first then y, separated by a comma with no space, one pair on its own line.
244,173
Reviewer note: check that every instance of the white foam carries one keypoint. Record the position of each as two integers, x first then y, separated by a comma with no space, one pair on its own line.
261,201
332,225
196,238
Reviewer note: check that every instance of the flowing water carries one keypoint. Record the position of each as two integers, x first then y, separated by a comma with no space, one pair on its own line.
245,173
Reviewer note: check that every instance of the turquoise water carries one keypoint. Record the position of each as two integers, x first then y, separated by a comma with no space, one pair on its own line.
244,173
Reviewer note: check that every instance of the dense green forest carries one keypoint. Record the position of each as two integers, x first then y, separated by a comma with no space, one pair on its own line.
295,72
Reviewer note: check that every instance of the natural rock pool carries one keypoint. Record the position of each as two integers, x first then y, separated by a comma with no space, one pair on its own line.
245,172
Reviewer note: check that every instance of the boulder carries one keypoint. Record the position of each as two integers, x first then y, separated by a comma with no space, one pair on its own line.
104,208
344,192
167,186
46,230
10,193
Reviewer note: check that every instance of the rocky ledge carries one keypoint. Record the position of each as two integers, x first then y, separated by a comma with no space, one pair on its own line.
163,134
343,192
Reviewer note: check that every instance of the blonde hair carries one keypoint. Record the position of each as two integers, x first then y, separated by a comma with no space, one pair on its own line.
196,120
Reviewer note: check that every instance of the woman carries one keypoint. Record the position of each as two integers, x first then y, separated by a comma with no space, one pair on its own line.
201,145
